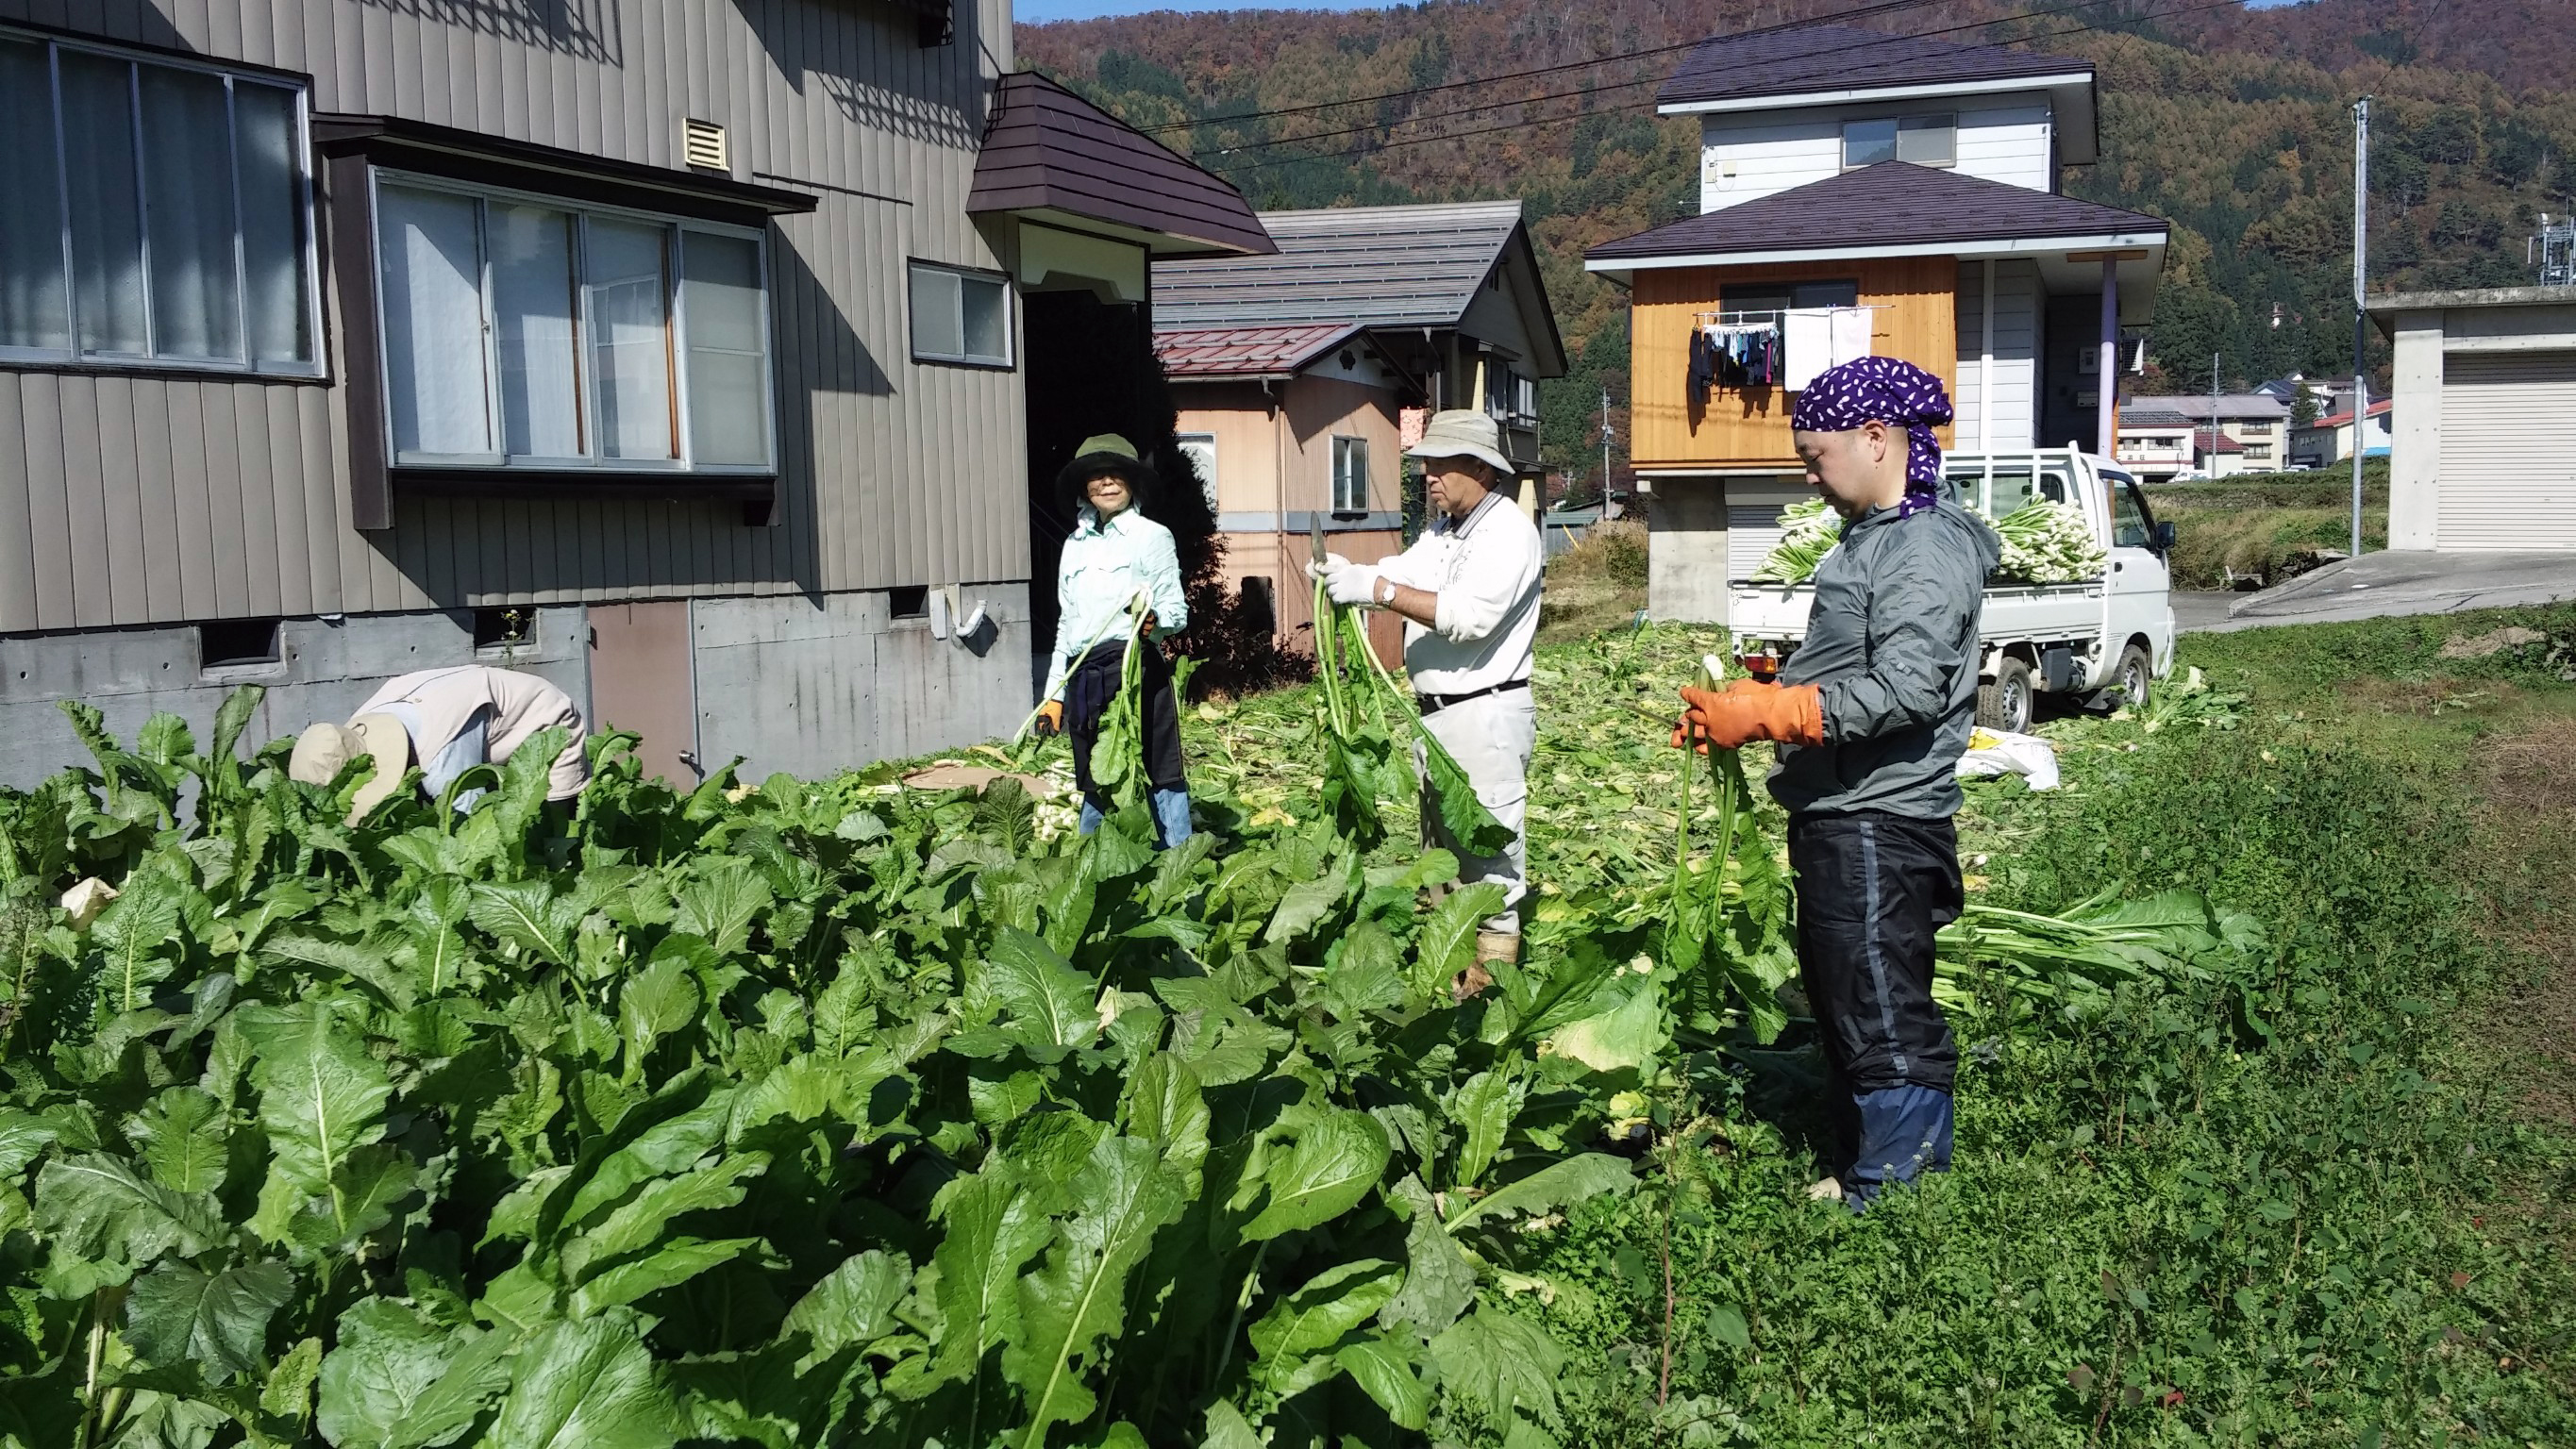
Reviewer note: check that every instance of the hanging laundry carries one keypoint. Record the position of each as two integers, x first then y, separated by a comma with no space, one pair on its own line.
1851,334
1807,333
1703,368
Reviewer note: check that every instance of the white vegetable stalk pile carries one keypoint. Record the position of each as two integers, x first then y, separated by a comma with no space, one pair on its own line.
1809,531
2048,543
2043,543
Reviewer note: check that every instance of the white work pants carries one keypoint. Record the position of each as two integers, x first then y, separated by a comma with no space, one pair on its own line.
1491,737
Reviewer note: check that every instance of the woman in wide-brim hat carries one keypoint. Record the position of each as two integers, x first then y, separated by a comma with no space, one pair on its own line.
1118,565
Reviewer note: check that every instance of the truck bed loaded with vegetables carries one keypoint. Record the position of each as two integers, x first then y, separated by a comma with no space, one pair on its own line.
2078,608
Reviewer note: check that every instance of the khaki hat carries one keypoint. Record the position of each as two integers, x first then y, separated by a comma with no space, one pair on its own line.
1107,453
325,749
1464,433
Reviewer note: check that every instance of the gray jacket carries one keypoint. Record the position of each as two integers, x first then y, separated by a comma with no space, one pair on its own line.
1893,641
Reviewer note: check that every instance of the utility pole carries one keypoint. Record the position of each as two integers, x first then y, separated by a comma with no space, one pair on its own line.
2213,415
2360,301
1605,451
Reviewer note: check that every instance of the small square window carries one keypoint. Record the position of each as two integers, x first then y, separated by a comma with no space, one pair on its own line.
233,643
1200,449
960,316
1928,140
909,601
1350,475
1866,143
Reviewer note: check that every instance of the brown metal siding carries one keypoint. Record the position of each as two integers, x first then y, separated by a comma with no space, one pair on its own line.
131,499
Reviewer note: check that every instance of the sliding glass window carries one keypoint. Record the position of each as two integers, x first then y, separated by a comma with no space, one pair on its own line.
152,214
520,331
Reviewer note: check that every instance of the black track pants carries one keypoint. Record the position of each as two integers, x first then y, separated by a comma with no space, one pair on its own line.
1872,890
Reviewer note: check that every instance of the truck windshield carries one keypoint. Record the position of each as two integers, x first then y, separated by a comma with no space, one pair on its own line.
2015,488
2130,525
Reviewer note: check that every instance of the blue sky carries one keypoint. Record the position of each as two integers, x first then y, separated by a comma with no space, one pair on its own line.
1044,10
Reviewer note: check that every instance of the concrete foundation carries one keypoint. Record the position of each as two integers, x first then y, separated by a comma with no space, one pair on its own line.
1686,562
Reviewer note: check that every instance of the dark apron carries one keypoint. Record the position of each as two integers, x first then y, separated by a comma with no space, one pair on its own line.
1087,693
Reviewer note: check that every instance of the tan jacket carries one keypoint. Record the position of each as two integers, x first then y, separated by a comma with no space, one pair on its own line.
522,704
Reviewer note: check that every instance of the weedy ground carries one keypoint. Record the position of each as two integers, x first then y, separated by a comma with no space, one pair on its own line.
2331,1210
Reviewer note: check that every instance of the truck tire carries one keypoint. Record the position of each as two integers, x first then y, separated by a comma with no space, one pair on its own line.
2009,701
2132,679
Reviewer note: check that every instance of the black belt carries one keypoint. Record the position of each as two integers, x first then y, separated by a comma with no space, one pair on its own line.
1434,703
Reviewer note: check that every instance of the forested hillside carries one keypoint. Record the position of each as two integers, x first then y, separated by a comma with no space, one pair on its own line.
2232,123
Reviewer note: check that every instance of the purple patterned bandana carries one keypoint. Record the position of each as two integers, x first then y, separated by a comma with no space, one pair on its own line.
1880,389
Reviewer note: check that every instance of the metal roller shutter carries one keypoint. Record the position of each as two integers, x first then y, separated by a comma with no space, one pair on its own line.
1752,531
2508,476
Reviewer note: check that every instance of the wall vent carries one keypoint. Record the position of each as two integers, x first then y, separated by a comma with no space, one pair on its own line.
702,143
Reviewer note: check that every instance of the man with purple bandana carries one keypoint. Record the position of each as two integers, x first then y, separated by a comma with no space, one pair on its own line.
1870,717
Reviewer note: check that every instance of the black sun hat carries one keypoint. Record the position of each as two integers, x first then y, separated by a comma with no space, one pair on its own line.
1106,453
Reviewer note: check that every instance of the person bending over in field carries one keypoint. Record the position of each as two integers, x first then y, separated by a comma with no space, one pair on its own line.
447,721
1871,715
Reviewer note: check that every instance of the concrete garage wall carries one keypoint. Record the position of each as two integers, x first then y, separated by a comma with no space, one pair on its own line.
1686,550
325,670
815,685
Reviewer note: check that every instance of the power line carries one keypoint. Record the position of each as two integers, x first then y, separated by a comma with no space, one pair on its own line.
1218,164
1609,86
1859,12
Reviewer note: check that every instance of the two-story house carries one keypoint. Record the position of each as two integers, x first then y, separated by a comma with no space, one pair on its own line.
1864,193
712,358
2257,420
1295,374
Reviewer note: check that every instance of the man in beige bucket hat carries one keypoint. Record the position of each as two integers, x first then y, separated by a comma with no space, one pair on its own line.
447,721
1468,593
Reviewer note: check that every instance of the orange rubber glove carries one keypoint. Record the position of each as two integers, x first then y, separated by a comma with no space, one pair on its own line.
1792,714
1051,717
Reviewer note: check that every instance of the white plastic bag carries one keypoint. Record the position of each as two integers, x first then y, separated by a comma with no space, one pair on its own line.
1999,752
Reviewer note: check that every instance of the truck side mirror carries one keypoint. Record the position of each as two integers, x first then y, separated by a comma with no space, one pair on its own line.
2164,538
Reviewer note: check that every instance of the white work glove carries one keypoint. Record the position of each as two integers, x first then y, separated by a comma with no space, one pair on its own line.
1347,583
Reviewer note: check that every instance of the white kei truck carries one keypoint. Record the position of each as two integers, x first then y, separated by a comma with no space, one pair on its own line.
2100,641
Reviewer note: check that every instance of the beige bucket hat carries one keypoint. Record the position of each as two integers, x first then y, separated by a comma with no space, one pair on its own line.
1463,433
325,749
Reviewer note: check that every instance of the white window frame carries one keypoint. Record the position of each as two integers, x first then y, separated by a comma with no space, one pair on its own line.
1917,122
1344,446
1207,442
676,312
312,258
1009,357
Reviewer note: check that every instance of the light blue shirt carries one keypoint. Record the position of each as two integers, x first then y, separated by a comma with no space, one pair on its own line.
1104,568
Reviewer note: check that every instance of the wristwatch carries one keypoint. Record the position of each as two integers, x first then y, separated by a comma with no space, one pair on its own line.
1385,592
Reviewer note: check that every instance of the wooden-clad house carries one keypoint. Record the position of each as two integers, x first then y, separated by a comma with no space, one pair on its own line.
673,349
1865,193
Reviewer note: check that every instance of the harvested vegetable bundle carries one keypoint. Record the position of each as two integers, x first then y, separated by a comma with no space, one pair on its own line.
1727,952
2090,947
1365,714
1809,531
2048,543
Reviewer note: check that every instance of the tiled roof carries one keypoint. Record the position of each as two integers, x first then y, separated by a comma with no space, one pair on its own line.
2240,406
2144,420
1817,58
1049,149
2344,419
2224,444
1378,266
1891,202
1247,351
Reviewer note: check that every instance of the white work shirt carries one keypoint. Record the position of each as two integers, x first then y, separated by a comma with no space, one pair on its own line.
1485,569
1103,569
